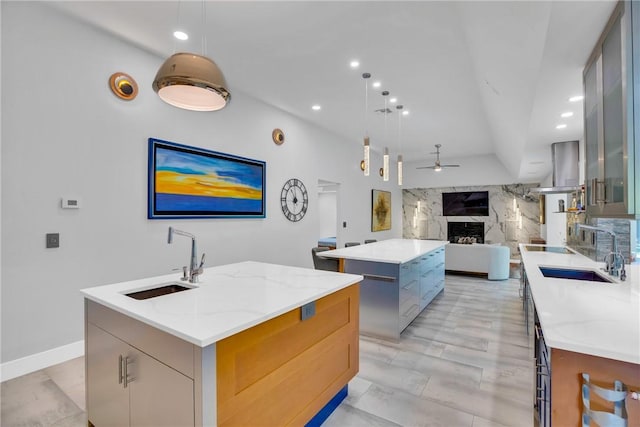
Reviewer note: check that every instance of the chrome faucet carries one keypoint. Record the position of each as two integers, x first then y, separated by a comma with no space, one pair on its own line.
194,269
614,261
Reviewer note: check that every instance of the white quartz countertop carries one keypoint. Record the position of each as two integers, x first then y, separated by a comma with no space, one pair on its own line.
392,251
600,319
227,300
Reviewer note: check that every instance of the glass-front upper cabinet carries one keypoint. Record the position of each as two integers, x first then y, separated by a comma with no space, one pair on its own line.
610,118
592,124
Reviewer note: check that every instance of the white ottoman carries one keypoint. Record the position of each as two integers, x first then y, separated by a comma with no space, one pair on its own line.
478,258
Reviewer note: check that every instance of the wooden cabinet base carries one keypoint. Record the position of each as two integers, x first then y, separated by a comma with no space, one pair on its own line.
566,370
282,372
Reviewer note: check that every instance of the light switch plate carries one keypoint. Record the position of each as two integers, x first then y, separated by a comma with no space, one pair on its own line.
70,203
53,240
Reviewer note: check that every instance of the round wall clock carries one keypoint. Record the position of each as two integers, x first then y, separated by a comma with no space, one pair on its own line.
294,200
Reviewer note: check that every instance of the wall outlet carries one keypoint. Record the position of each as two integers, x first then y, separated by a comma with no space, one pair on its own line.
308,310
53,240
344,224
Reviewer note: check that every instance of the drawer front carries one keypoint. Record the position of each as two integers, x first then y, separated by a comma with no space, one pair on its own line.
173,351
409,272
409,306
369,267
283,371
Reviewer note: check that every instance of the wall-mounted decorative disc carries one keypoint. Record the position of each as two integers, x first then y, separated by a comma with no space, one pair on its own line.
278,136
123,85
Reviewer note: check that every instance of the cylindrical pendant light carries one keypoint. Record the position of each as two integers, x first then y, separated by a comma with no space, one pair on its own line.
385,165
399,108
366,162
193,82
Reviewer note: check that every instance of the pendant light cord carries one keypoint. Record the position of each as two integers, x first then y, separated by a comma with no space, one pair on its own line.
366,105
204,28
179,28
385,94
399,127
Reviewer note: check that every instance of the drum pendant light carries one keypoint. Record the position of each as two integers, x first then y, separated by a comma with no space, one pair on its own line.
193,82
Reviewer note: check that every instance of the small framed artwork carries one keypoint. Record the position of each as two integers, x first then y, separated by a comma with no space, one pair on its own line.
190,182
380,210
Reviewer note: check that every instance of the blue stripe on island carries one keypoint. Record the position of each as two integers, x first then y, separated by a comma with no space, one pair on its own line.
328,409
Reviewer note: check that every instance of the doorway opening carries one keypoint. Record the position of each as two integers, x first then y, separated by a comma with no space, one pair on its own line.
327,213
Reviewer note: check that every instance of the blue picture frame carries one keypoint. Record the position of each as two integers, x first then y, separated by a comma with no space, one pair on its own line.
190,182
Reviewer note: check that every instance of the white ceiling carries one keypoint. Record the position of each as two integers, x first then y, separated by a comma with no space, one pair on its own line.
477,77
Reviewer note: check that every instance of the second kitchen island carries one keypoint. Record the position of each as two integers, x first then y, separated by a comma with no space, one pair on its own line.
401,277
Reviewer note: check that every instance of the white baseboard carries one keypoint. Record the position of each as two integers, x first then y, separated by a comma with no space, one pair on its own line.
35,362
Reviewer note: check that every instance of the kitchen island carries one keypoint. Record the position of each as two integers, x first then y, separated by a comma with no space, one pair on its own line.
401,277
580,326
251,344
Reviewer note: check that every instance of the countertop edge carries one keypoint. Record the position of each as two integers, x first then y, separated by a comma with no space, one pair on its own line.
540,295
340,253
204,341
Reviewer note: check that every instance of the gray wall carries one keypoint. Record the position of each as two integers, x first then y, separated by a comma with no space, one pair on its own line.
65,134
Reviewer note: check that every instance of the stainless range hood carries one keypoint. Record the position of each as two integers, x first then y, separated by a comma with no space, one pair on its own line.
565,156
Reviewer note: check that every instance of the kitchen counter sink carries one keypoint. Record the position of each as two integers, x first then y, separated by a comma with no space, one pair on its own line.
162,289
574,274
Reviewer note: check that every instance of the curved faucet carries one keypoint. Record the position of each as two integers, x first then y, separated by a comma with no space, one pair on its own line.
614,260
194,270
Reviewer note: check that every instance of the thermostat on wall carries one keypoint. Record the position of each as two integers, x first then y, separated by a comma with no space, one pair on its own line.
70,203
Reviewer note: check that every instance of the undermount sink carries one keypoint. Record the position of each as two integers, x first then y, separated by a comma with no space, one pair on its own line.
163,289
574,274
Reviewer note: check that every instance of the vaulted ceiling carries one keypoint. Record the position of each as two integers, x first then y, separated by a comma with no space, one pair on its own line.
477,77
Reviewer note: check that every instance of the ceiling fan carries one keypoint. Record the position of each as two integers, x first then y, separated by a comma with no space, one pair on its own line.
437,166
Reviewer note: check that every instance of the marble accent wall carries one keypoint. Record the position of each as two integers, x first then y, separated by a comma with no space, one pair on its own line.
501,226
597,245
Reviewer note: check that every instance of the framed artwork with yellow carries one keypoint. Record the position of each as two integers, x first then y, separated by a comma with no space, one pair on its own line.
380,210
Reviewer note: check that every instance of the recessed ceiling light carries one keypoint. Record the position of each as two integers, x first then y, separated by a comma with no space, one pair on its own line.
576,98
354,64
180,35
316,107
376,84
393,100
405,113
561,126
567,114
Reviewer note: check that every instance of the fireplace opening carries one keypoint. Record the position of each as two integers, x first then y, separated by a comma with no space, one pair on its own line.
458,230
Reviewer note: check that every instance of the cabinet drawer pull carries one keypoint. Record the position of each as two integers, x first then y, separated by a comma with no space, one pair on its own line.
120,360
126,377
410,309
379,277
409,285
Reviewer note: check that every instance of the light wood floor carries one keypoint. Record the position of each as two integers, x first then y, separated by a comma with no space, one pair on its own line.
463,362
